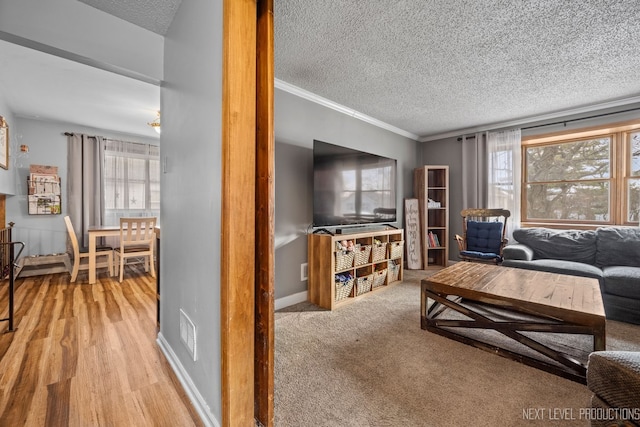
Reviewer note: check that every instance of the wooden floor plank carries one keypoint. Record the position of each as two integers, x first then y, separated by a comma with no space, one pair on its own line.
58,395
86,355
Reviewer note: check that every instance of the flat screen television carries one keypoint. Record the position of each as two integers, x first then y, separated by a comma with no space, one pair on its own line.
351,187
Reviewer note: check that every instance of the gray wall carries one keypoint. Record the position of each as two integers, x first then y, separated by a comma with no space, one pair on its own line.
8,176
44,234
297,123
191,198
449,152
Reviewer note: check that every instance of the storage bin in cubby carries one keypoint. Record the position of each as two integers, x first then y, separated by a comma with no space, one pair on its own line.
394,271
379,252
379,277
364,284
344,260
361,255
396,249
343,289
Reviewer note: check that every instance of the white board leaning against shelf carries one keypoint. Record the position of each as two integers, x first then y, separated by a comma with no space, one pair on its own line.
412,227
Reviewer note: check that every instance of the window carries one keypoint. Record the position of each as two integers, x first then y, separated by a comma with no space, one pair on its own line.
131,180
367,188
589,177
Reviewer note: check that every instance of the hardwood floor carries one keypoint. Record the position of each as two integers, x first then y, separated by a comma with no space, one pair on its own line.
85,355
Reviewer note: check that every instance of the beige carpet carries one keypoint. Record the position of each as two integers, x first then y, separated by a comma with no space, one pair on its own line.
370,364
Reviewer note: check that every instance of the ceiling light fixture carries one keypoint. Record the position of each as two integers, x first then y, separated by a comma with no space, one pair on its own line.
156,123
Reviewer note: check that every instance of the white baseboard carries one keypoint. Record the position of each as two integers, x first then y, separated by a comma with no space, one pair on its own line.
290,300
199,404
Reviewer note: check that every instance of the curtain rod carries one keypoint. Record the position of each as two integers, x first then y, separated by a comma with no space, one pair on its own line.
569,121
581,118
71,134
112,140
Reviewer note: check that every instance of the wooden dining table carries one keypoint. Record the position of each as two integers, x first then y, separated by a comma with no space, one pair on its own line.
96,231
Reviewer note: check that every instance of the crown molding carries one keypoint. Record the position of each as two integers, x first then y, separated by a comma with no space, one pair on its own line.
294,90
533,119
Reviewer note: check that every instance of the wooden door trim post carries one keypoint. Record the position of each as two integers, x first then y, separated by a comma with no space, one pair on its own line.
265,224
237,275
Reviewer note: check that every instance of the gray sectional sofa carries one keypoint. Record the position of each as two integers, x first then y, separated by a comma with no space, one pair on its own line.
609,254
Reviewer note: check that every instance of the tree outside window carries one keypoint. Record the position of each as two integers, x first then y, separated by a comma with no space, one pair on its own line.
574,179
569,181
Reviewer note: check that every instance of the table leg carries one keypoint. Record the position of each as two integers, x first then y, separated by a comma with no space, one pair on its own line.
423,306
599,338
92,259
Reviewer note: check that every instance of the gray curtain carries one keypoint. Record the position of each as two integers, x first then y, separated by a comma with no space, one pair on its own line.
474,171
84,189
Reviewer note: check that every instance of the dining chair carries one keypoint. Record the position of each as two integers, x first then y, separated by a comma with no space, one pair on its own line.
137,240
80,253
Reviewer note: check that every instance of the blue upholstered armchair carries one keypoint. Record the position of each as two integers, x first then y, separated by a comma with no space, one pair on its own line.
484,232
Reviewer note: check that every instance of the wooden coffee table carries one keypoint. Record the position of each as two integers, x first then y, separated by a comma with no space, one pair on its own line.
507,310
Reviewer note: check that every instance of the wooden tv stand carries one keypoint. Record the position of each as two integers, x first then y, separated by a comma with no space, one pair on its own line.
381,267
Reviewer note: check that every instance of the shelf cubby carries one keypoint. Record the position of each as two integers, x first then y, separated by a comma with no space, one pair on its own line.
326,262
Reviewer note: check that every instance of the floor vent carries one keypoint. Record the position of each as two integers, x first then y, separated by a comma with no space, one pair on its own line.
188,334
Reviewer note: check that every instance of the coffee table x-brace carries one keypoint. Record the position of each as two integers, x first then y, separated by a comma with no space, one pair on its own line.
512,301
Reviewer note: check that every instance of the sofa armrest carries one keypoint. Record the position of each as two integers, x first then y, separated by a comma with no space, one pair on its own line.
614,376
518,251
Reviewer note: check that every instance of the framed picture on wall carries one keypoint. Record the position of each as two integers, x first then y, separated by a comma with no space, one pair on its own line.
4,144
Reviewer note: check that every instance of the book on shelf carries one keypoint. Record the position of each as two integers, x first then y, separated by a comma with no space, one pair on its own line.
433,240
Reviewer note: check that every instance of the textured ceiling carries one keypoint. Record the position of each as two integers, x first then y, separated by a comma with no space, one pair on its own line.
432,67
153,15
428,68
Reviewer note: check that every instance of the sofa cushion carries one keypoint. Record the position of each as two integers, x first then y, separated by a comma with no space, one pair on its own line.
484,236
568,245
622,309
557,266
480,255
622,281
518,251
618,246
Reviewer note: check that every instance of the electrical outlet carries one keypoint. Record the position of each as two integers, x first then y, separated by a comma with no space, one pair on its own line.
304,271
188,334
